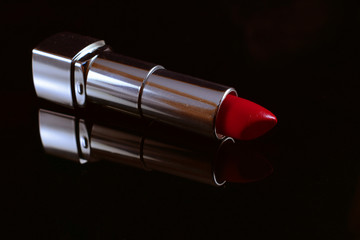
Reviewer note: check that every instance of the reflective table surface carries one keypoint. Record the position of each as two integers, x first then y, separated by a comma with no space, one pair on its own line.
299,59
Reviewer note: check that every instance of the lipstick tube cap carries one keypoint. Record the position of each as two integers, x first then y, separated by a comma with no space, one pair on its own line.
53,62
64,136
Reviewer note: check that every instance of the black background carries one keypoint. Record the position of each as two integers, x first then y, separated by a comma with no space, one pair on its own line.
299,59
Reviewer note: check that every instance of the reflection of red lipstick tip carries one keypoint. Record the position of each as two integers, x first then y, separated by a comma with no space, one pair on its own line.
239,163
242,119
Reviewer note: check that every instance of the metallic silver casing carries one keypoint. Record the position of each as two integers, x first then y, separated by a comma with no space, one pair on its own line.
66,137
53,64
70,69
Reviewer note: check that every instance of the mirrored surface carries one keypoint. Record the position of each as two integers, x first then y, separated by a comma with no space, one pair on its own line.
150,146
299,59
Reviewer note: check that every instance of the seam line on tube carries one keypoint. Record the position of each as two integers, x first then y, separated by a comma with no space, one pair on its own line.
83,52
79,153
154,69
227,92
142,143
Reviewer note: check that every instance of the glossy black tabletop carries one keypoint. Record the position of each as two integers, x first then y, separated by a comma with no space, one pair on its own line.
299,59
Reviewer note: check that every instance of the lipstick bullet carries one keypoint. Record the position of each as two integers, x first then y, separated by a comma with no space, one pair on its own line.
150,147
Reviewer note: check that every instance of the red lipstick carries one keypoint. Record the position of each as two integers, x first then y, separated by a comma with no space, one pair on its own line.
240,163
155,147
73,70
242,119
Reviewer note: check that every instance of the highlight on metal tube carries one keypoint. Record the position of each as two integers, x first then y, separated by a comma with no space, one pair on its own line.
63,135
71,69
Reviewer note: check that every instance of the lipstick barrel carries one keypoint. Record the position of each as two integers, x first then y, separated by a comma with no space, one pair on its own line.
172,154
117,81
175,153
70,69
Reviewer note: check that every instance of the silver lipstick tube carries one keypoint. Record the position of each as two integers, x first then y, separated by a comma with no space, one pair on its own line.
175,153
71,69
187,159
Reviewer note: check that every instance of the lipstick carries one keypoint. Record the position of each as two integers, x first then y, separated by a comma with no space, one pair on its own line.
71,70
152,146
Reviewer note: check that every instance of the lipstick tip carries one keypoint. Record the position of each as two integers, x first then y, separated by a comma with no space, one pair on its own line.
259,125
242,119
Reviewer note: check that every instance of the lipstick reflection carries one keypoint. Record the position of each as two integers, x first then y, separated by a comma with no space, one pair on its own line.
151,147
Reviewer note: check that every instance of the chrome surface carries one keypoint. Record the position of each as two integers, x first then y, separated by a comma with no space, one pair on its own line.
63,136
79,84
116,145
84,142
116,81
52,64
218,157
183,101
70,69
161,148
58,134
187,159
